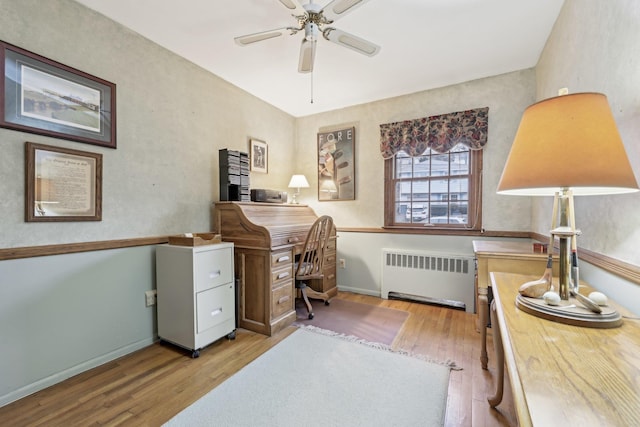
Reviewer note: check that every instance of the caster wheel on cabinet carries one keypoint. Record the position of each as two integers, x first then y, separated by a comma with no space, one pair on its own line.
195,354
327,302
231,335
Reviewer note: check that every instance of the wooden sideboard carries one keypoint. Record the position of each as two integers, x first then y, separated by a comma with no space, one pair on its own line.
510,256
267,237
564,375
507,256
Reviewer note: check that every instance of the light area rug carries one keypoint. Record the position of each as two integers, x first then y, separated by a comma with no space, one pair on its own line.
312,379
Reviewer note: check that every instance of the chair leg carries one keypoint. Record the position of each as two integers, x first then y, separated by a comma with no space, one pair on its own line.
313,294
303,291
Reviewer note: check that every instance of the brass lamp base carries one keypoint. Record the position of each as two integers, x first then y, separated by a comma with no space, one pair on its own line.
570,312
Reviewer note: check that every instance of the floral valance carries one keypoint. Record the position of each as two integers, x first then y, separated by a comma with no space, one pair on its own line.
440,133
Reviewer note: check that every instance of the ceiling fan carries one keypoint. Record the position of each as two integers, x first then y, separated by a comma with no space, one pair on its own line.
315,20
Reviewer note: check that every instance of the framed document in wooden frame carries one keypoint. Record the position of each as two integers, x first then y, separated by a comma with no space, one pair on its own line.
336,164
39,95
62,184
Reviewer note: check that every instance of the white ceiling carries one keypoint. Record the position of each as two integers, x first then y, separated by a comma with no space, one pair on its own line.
425,44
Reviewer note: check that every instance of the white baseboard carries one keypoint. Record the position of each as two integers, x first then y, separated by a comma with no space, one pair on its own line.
359,291
74,370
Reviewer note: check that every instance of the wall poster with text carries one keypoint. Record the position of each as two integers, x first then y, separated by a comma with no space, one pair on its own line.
336,164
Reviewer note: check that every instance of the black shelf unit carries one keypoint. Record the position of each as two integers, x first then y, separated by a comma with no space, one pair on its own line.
234,176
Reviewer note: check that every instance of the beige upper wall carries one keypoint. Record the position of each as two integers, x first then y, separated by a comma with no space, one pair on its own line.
506,96
172,118
595,47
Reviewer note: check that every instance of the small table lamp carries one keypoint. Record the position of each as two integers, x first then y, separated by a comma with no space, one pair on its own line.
297,182
567,145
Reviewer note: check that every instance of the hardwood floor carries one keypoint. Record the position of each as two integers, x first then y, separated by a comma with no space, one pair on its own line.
150,386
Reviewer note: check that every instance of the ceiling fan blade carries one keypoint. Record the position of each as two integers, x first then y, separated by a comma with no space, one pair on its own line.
307,56
264,35
338,8
294,7
350,41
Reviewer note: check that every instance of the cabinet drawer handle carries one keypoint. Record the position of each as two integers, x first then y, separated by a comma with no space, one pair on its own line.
214,274
283,275
284,258
284,299
331,276
293,240
216,312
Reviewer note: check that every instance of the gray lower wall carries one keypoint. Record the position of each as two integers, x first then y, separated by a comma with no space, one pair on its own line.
63,314
362,253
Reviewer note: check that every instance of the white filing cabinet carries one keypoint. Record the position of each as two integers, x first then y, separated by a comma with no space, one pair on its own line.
196,294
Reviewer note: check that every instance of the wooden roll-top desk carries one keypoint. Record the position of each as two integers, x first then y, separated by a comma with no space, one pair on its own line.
267,237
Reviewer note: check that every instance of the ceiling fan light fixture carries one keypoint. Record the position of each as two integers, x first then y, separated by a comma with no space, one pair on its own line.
307,56
310,32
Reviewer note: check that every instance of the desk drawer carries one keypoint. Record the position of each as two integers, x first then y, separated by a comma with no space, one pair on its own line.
290,237
330,281
282,300
329,261
281,258
330,255
280,275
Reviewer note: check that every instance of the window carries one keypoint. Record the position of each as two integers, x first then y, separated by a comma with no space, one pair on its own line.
434,189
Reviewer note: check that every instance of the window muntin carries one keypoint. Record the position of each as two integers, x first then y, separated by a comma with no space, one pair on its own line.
433,189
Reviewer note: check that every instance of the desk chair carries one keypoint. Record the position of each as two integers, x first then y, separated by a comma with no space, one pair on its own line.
309,265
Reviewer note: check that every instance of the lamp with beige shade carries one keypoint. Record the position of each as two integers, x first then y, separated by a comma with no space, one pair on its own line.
567,146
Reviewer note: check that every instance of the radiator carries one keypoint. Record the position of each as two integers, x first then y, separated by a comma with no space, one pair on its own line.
433,278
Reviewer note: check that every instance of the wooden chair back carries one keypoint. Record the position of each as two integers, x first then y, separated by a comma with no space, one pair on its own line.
312,257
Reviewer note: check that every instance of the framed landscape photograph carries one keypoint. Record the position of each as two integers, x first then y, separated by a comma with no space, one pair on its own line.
62,184
42,96
336,164
259,154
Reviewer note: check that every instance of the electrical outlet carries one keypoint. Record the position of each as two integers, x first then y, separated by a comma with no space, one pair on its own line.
150,298
343,263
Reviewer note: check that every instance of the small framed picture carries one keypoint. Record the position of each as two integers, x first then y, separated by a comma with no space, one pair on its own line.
259,154
62,184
